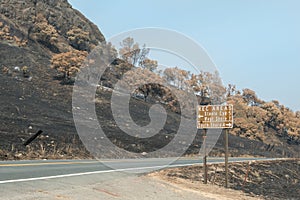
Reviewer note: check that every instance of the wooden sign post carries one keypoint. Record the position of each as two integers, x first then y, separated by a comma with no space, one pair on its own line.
226,158
205,157
215,117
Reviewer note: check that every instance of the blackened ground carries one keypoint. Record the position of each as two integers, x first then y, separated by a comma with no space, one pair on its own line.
45,104
270,179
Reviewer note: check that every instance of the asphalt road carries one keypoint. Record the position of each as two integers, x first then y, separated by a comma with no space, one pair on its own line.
93,179
22,171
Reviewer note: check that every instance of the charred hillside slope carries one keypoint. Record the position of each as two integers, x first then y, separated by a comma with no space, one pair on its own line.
33,98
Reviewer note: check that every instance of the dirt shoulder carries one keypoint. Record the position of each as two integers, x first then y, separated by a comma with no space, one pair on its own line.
208,191
112,186
255,180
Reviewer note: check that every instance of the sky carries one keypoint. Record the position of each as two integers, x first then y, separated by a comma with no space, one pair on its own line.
255,44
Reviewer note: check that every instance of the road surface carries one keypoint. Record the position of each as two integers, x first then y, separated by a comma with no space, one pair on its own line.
92,179
21,171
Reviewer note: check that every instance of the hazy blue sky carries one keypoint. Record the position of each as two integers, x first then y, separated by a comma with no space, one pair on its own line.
254,43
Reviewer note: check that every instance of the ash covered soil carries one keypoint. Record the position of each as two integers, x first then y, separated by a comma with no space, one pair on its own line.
45,104
260,179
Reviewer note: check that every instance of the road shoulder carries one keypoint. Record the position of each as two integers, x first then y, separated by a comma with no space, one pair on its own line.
208,191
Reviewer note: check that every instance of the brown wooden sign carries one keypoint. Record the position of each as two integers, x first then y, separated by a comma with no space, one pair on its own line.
215,117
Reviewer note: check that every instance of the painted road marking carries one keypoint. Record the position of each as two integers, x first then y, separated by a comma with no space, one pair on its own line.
61,163
131,169
77,162
90,173
47,163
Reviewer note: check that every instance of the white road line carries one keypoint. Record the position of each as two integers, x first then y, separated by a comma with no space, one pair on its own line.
89,173
123,170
